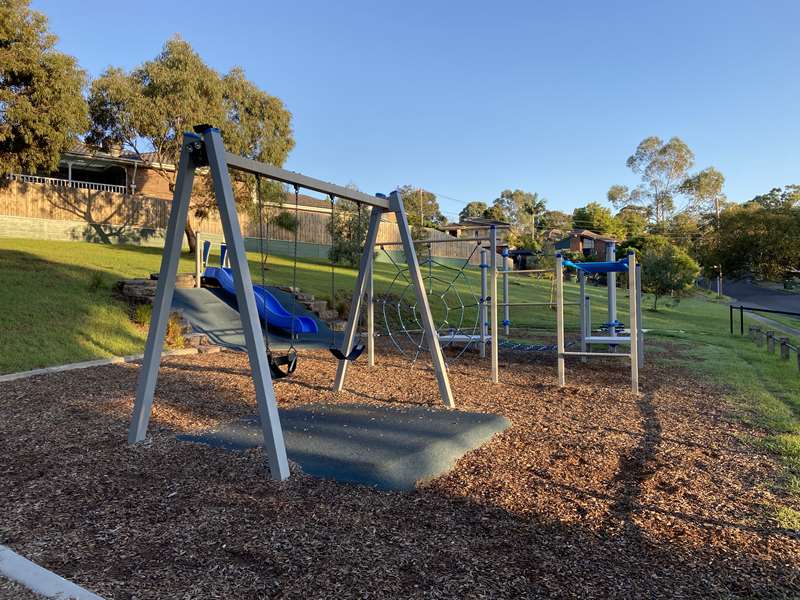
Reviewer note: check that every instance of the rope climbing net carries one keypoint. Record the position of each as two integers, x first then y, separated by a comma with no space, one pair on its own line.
456,309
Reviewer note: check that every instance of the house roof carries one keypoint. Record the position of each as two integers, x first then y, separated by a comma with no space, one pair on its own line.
592,235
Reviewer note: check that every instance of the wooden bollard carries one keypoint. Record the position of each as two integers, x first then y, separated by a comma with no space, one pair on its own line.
771,342
784,348
754,329
759,336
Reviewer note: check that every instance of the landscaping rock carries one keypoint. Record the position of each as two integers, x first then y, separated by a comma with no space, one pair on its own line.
182,280
319,306
137,291
208,349
328,315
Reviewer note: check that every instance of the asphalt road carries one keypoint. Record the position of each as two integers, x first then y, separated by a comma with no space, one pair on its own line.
749,294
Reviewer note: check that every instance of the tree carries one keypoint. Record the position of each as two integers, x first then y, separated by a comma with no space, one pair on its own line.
705,190
521,210
778,198
555,219
496,212
42,109
666,269
148,109
348,229
422,207
594,217
632,221
473,209
683,230
756,240
663,167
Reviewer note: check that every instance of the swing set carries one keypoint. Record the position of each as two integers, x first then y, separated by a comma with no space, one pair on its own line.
205,149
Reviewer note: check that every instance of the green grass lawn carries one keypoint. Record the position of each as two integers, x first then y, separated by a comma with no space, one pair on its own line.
58,308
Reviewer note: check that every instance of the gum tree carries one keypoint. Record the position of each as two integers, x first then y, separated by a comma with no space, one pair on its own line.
42,109
148,109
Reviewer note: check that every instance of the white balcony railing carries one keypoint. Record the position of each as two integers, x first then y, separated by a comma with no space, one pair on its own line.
84,185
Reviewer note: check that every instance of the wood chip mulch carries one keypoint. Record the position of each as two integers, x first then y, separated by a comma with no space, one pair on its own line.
590,493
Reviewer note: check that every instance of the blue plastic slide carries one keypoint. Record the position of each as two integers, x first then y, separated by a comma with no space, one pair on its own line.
269,308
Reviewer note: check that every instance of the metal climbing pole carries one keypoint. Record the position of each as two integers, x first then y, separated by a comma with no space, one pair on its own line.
494,341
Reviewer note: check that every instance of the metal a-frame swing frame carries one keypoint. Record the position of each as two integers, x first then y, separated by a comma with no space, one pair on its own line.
206,149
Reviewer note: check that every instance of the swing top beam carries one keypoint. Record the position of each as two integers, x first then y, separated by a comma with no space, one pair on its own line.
247,165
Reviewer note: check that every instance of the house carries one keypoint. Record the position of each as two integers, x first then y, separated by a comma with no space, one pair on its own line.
129,174
478,227
586,242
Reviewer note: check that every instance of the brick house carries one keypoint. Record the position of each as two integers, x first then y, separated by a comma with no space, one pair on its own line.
586,242
129,174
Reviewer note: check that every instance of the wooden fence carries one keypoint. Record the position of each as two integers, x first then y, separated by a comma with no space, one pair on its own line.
41,201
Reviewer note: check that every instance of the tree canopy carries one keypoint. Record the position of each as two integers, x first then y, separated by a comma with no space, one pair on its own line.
779,198
148,109
594,217
666,269
663,168
422,207
756,238
705,189
42,109
473,209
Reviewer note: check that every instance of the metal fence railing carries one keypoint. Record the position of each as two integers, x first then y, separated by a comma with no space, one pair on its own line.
83,185
767,337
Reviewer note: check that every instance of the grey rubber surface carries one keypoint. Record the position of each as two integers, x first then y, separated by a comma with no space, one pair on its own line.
385,447
213,312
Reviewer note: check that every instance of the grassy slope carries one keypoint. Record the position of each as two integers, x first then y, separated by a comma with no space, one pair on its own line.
54,312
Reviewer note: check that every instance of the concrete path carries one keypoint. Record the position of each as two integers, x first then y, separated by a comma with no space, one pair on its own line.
38,579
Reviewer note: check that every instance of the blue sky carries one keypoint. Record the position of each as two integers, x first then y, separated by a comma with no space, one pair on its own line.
469,98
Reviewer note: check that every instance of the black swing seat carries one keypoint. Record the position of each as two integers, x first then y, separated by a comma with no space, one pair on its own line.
288,360
357,351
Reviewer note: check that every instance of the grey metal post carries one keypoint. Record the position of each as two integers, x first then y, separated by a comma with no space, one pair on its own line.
611,284
358,295
370,308
639,319
632,301
588,302
493,294
162,304
198,259
582,307
483,308
254,338
559,275
431,333
506,296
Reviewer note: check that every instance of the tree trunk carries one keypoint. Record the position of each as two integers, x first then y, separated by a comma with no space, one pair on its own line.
191,237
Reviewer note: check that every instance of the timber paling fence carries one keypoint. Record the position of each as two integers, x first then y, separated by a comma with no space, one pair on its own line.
767,337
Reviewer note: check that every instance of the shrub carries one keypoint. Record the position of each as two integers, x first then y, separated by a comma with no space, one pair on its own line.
96,281
141,314
666,269
348,229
